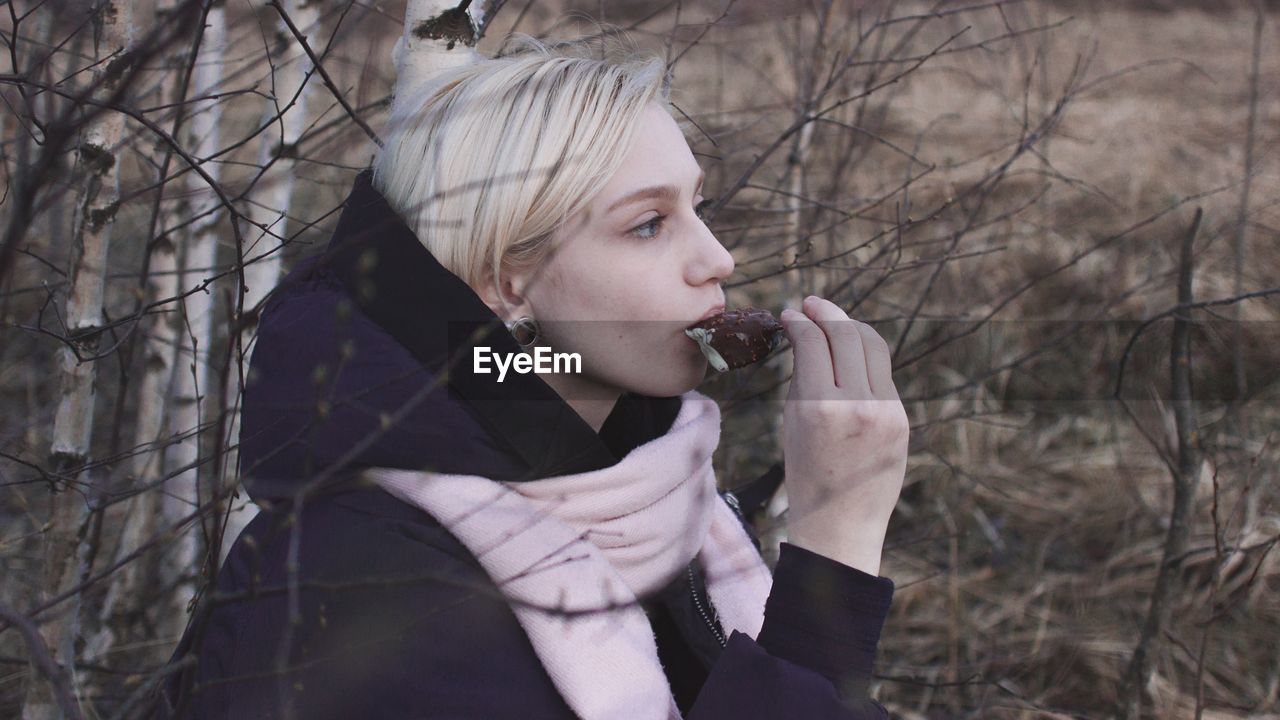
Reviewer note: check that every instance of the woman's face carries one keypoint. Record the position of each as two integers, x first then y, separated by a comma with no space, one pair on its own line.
629,273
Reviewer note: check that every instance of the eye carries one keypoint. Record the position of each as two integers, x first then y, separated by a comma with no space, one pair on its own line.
701,209
649,229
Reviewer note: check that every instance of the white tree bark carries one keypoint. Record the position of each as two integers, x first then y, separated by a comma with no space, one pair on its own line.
149,438
98,166
167,404
190,379
270,209
436,36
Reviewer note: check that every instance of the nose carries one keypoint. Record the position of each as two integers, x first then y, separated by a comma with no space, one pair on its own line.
714,261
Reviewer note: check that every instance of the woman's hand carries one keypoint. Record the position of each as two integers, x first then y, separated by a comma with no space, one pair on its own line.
844,436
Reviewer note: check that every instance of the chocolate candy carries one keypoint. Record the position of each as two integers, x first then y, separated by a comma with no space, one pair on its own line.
736,338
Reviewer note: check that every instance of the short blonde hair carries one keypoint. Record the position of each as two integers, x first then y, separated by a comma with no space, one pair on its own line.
486,160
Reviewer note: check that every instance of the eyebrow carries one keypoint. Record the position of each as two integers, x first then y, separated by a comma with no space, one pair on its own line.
659,192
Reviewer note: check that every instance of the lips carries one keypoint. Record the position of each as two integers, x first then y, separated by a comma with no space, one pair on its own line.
713,310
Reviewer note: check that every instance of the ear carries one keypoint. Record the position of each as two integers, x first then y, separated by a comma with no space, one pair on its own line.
508,301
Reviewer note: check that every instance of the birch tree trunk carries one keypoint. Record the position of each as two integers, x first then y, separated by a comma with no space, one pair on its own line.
291,70
97,163
191,346
197,254
150,437
168,417
438,34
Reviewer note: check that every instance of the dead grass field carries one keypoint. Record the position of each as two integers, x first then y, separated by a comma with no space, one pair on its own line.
1027,541
1028,537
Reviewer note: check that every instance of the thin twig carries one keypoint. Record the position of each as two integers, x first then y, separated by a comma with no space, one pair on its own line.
1184,487
324,75
44,661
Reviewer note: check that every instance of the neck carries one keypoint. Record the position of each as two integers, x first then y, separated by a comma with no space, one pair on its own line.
592,401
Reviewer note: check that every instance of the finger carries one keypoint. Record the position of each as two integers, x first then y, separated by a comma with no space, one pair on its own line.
879,363
812,356
847,355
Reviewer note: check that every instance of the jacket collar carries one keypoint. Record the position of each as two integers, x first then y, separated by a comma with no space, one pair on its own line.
399,285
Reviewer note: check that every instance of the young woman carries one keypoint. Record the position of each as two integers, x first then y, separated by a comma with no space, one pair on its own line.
437,542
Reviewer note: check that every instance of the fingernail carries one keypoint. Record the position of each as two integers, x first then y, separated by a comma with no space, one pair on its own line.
811,300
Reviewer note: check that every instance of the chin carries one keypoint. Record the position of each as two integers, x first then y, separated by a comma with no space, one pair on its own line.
671,381
654,369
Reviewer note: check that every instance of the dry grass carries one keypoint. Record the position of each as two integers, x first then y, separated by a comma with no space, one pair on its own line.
1028,538
1029,533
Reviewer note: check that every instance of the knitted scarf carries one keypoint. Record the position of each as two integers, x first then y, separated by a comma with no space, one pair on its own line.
572,554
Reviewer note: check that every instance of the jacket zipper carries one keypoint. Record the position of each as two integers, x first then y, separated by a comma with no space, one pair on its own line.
697,601
732,501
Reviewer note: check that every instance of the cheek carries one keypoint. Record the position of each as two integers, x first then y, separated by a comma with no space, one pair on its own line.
624,284
587,296
651,358
607,316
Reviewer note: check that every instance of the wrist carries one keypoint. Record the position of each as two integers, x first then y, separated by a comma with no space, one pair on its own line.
856,544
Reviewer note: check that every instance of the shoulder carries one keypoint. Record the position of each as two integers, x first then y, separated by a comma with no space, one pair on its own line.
384,610
361,542
327,387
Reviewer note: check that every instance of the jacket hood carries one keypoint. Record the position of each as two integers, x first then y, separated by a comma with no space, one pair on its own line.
352,368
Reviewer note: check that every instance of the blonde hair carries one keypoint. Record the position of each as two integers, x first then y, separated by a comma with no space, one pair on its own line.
486,160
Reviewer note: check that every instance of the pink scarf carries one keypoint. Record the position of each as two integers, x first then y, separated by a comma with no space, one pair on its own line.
573,553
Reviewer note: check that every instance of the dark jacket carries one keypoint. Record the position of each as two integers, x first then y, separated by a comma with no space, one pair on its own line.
341,601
